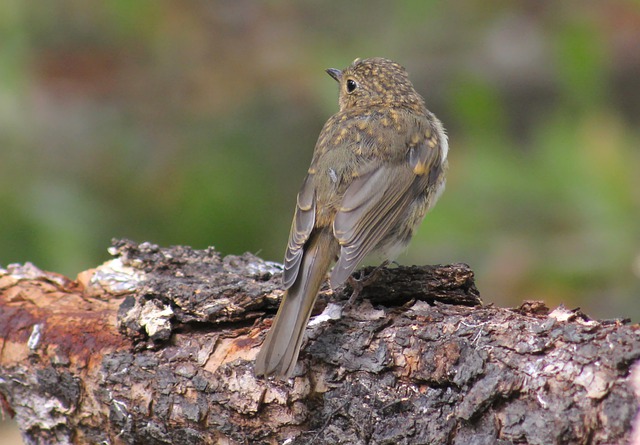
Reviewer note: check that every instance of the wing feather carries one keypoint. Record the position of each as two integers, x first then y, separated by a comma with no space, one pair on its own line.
375,202
367,214
301,227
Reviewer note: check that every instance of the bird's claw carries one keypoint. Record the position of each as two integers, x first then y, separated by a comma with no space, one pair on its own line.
358,284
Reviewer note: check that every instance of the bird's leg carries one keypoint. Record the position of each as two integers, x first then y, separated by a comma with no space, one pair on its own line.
358,284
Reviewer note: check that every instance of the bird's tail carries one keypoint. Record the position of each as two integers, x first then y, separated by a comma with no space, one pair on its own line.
280,349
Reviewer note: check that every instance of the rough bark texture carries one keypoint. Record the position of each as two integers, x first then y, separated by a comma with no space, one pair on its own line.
156,347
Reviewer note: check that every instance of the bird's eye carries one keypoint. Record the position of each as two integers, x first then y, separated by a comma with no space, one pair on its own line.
351,85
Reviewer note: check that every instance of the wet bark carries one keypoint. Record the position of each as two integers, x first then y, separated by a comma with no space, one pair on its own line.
156,347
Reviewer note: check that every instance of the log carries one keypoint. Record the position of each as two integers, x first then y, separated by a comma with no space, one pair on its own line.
157,345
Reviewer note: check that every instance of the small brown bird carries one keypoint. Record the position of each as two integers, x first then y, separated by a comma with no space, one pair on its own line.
379,165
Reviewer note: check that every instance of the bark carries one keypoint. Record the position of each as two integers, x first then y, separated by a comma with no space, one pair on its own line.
156,347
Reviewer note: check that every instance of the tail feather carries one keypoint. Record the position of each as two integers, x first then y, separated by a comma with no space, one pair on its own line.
279,352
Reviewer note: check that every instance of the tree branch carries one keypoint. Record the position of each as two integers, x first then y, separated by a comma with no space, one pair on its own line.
156,347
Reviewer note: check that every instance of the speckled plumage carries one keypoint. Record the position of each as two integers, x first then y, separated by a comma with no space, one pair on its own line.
379,165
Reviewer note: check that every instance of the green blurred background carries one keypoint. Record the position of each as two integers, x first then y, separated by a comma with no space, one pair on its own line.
193,123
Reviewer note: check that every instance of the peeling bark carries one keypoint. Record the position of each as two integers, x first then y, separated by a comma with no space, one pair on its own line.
156,347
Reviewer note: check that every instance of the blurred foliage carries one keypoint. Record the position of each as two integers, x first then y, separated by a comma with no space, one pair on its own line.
194,122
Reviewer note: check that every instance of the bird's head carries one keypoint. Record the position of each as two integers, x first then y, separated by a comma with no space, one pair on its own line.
376,81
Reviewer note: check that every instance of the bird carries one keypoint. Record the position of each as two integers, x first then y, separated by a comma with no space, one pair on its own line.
378,166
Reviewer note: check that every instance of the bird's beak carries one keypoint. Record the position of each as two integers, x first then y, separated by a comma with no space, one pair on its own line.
336,74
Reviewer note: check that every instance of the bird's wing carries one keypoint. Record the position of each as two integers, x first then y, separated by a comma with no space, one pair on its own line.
301,227
376,200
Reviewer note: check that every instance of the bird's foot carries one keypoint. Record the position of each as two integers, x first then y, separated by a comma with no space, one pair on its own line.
358,284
